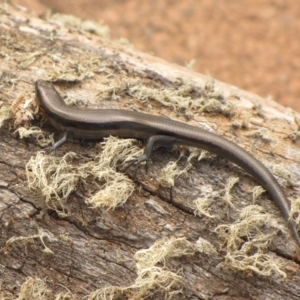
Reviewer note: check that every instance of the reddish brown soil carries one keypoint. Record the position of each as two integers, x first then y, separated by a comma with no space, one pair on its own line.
253,44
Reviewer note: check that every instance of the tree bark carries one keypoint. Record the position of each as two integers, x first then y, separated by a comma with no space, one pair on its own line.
86,249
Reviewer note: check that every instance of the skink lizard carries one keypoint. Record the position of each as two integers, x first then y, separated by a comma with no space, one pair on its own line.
155,130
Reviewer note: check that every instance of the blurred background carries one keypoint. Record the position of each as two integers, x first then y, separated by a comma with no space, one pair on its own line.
253,44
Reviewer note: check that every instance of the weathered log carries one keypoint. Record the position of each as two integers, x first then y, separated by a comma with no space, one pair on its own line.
63,239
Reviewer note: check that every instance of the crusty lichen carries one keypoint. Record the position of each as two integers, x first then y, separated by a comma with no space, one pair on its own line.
252,259
36,289
57,177
20,110
257,192
24,240
203,204
295,211
251,219
170,172
287,178
203,207
228,197
250,256
162,250
178,97
43,139
5,114
295,134
152,280
87,25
